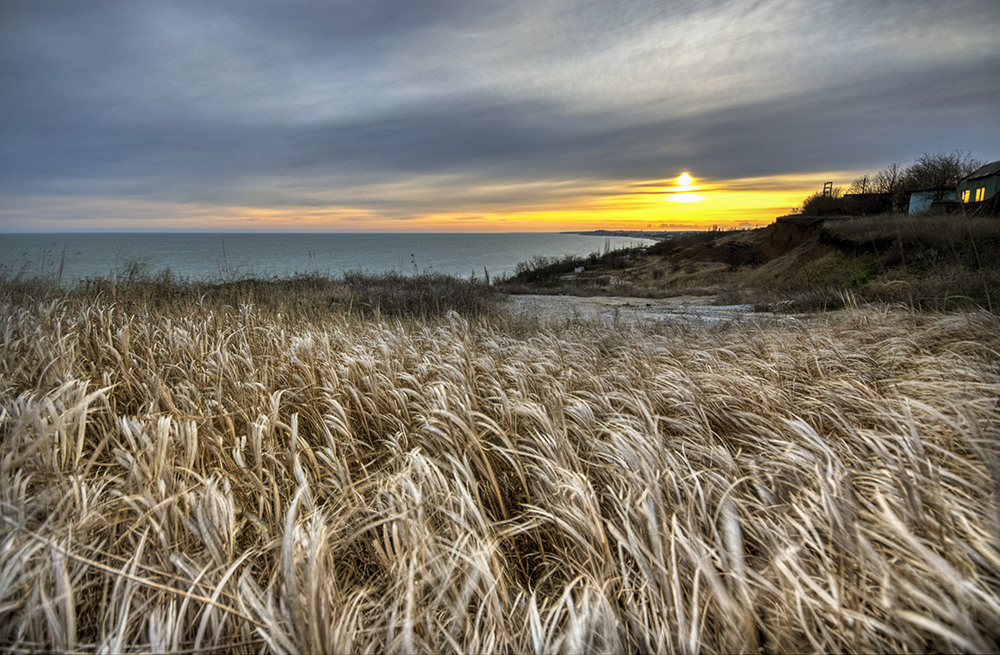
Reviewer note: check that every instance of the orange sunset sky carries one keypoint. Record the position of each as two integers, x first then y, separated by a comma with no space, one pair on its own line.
643,205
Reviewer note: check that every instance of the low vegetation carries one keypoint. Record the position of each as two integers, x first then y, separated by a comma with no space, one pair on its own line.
185,470
925,262
304,296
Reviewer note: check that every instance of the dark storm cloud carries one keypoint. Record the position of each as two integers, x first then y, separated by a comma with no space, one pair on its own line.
285,103
861,123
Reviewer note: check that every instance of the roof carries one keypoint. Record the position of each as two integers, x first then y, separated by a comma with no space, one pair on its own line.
984,171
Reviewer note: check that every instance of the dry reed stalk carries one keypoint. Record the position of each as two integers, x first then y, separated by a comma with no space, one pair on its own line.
201,477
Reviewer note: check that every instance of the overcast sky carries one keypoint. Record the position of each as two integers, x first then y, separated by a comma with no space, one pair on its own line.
418,114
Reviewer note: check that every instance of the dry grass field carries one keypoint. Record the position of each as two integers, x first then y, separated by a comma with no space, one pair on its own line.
206,474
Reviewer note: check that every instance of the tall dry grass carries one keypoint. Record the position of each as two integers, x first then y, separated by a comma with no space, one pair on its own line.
209,477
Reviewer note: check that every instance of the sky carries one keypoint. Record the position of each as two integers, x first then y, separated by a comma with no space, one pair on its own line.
474,116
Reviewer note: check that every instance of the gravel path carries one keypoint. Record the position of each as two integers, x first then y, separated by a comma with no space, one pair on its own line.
684,309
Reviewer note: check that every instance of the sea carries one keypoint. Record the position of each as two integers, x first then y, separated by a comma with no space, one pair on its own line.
205,257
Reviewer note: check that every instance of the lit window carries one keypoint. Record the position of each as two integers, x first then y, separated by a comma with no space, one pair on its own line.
965,196
981,194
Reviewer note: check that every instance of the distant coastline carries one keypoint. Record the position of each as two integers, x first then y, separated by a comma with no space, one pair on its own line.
632,234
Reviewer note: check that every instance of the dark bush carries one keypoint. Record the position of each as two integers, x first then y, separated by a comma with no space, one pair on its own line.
422,296
546,271
819,204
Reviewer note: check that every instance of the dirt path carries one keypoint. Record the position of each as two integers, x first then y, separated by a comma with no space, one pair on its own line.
685,309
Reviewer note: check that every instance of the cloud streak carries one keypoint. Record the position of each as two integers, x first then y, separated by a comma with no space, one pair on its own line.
432,107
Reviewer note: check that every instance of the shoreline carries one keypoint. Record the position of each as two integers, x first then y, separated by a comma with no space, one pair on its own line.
629,234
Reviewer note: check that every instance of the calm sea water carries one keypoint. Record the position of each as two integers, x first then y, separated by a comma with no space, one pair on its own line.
207,257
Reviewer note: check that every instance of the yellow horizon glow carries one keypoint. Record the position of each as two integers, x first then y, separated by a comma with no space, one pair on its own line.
635,205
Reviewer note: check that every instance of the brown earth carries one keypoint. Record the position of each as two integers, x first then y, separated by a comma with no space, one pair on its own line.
798,262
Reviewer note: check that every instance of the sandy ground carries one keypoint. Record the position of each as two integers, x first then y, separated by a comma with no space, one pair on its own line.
681,309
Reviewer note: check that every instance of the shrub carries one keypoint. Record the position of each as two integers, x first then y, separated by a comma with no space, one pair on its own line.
425,295
819,204
546,271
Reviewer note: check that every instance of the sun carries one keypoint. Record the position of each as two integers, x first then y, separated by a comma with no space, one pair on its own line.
682,192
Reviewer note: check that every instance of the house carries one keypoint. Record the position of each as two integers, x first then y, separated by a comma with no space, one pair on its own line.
921,200
981,185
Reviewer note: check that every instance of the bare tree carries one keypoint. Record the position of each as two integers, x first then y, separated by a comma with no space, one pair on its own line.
862,184
940,170
887,179
873,193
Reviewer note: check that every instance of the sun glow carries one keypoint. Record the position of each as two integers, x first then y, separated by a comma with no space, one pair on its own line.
686,197
683,191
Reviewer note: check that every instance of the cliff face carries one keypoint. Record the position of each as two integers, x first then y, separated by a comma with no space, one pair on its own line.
790,232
